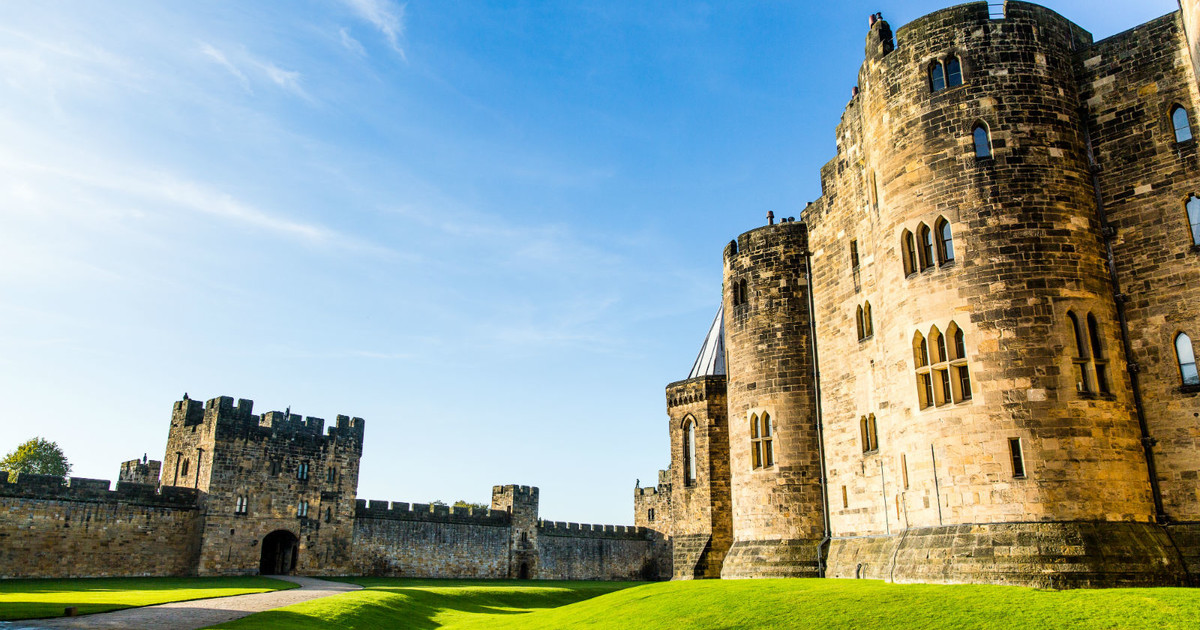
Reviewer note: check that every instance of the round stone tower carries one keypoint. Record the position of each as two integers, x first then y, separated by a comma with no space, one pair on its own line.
996,421
774,455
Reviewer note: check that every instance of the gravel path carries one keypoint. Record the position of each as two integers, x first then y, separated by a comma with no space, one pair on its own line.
198,613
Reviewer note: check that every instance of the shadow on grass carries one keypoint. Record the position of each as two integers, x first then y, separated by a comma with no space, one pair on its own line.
425,604
39,599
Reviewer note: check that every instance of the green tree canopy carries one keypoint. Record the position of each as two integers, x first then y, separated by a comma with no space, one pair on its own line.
38,456
467,504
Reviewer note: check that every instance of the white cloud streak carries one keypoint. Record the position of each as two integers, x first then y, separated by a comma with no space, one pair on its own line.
223,61
386,16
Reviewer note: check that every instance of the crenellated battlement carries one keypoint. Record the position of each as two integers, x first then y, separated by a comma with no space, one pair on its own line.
585,530
226,418
694,390
425,512
52,488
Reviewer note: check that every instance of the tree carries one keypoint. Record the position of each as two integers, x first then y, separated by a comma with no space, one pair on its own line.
38,456
465,504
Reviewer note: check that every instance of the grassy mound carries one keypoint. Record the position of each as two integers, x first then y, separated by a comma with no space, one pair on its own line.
32,599
732,604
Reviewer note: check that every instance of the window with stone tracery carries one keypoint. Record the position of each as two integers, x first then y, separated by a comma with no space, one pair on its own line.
940,361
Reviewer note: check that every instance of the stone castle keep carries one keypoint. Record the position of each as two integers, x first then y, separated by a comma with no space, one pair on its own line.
972,358
275,494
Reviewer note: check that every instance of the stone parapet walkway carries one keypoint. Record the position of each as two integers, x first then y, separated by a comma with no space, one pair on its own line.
194,614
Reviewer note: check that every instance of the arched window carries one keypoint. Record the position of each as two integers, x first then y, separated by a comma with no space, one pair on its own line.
940,372
925,238
937,77
1193,214
953,72
1083,381
983,144
1183,127
1099,363
960,374
862,430
689,451
760,441
858,320
1187,360
739,292
908,246
868,327
945,241
925,395
185,468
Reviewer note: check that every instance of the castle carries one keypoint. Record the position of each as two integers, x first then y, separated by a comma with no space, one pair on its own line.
972,359
243,494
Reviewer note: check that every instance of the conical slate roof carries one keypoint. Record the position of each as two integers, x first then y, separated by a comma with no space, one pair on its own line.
711,361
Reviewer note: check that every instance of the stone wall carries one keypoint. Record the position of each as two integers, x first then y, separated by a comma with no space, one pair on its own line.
570,551
430,541
82,529
1129,85
293,475
776,502
700,511
652,511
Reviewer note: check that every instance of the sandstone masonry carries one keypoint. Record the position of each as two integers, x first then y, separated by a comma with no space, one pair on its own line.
244,494
968,345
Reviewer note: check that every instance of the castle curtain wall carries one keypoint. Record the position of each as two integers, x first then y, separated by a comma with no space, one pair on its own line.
51,530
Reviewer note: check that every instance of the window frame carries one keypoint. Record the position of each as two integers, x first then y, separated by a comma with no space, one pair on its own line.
908,247
1016,451
1192,212
943,374
989,151
945,241
1189,380
927,257
762,452
935,75
1187,123
689,450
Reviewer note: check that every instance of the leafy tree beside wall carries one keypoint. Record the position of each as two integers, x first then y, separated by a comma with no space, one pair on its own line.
38,456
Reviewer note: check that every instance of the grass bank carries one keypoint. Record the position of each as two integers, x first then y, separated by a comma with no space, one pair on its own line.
793,603
31,599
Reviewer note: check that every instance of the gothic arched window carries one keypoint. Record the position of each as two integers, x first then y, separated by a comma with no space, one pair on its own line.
689,451
954,75
937,77
1193,214
1179,120
925,239
1187,359
945,241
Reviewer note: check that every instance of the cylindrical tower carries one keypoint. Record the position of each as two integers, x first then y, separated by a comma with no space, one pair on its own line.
973,407
773,448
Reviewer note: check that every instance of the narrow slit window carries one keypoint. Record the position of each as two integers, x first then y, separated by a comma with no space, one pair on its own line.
904,469
302,509
859,324
872,433
954,75
650,515
866,440
756,441
1098,361
768,450
868,327
1187,360
1193,214
983,144
845,498
1018,457
1083,381
854,255
302,471
1183,126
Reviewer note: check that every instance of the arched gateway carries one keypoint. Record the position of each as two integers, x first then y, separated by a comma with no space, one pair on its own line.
280,550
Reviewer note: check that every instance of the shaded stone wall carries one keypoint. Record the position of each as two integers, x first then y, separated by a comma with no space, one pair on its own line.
656,501
82,529
430,541
569,551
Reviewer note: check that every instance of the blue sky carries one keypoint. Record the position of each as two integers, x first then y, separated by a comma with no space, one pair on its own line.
493,230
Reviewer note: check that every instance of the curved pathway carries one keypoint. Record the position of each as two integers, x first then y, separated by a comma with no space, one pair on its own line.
197,613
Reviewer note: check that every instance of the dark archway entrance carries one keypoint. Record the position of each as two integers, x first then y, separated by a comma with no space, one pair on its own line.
523,571
280,549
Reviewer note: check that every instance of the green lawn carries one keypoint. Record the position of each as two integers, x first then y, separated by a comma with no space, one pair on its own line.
31,599
797,603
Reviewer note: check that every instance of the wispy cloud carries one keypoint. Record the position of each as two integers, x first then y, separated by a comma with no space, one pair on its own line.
288,80
351,44
386,16
223,61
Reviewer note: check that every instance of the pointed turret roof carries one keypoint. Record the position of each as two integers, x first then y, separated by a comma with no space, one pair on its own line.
711,361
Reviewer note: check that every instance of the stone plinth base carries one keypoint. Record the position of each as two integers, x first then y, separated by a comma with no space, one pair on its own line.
1186,537
771,559
1044,555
